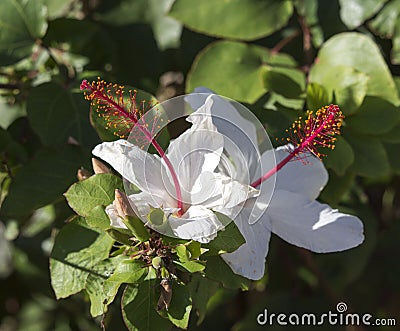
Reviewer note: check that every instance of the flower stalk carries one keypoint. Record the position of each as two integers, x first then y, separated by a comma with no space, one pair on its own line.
99,93
318,130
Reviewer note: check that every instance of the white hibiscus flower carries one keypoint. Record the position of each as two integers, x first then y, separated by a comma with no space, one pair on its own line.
194,156
292,213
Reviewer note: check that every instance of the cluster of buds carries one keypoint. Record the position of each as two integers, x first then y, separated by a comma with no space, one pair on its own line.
150,249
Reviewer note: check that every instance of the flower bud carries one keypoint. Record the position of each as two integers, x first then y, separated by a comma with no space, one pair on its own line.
122,204
156,262
99,167
129,213
72,141
83,174
165,295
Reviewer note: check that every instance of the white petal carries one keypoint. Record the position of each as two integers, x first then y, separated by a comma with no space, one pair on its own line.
139,167
307,176
240,134
115,220
197,150
313,225
215,190
249,259
198,223
143,201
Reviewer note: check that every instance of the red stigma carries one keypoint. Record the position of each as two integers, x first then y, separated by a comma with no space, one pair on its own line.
110,101
85,85
317,130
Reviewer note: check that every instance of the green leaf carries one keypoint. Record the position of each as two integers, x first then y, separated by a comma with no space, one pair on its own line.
276,100
77,250
120,235
186,261
375,116
97,218
40,220
180,307
56,113
21,24
347,85
228,239
194,248
166,30
354,12
43,179
58,8
9,147
238,19
201,290
392,151
317,96
341,158
94,287
361,54
97,190
240,76
138,308
370,159
337,187
351,96
288,82
8,113
386,24
218,270
392,136
136,226
126,272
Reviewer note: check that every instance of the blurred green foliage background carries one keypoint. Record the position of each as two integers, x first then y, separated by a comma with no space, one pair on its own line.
278,57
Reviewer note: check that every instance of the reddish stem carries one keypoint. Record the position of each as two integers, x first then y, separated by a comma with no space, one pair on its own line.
292,154
86,86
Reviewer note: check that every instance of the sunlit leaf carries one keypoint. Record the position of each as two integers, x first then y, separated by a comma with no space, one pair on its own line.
355,12
97,190
359,52
77,250
238,19
138,308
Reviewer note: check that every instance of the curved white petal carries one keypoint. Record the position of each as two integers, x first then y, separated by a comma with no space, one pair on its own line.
198,149
313,225
143,201
198,223
144,170
115,220
215,190
240,134
249,259
307,176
